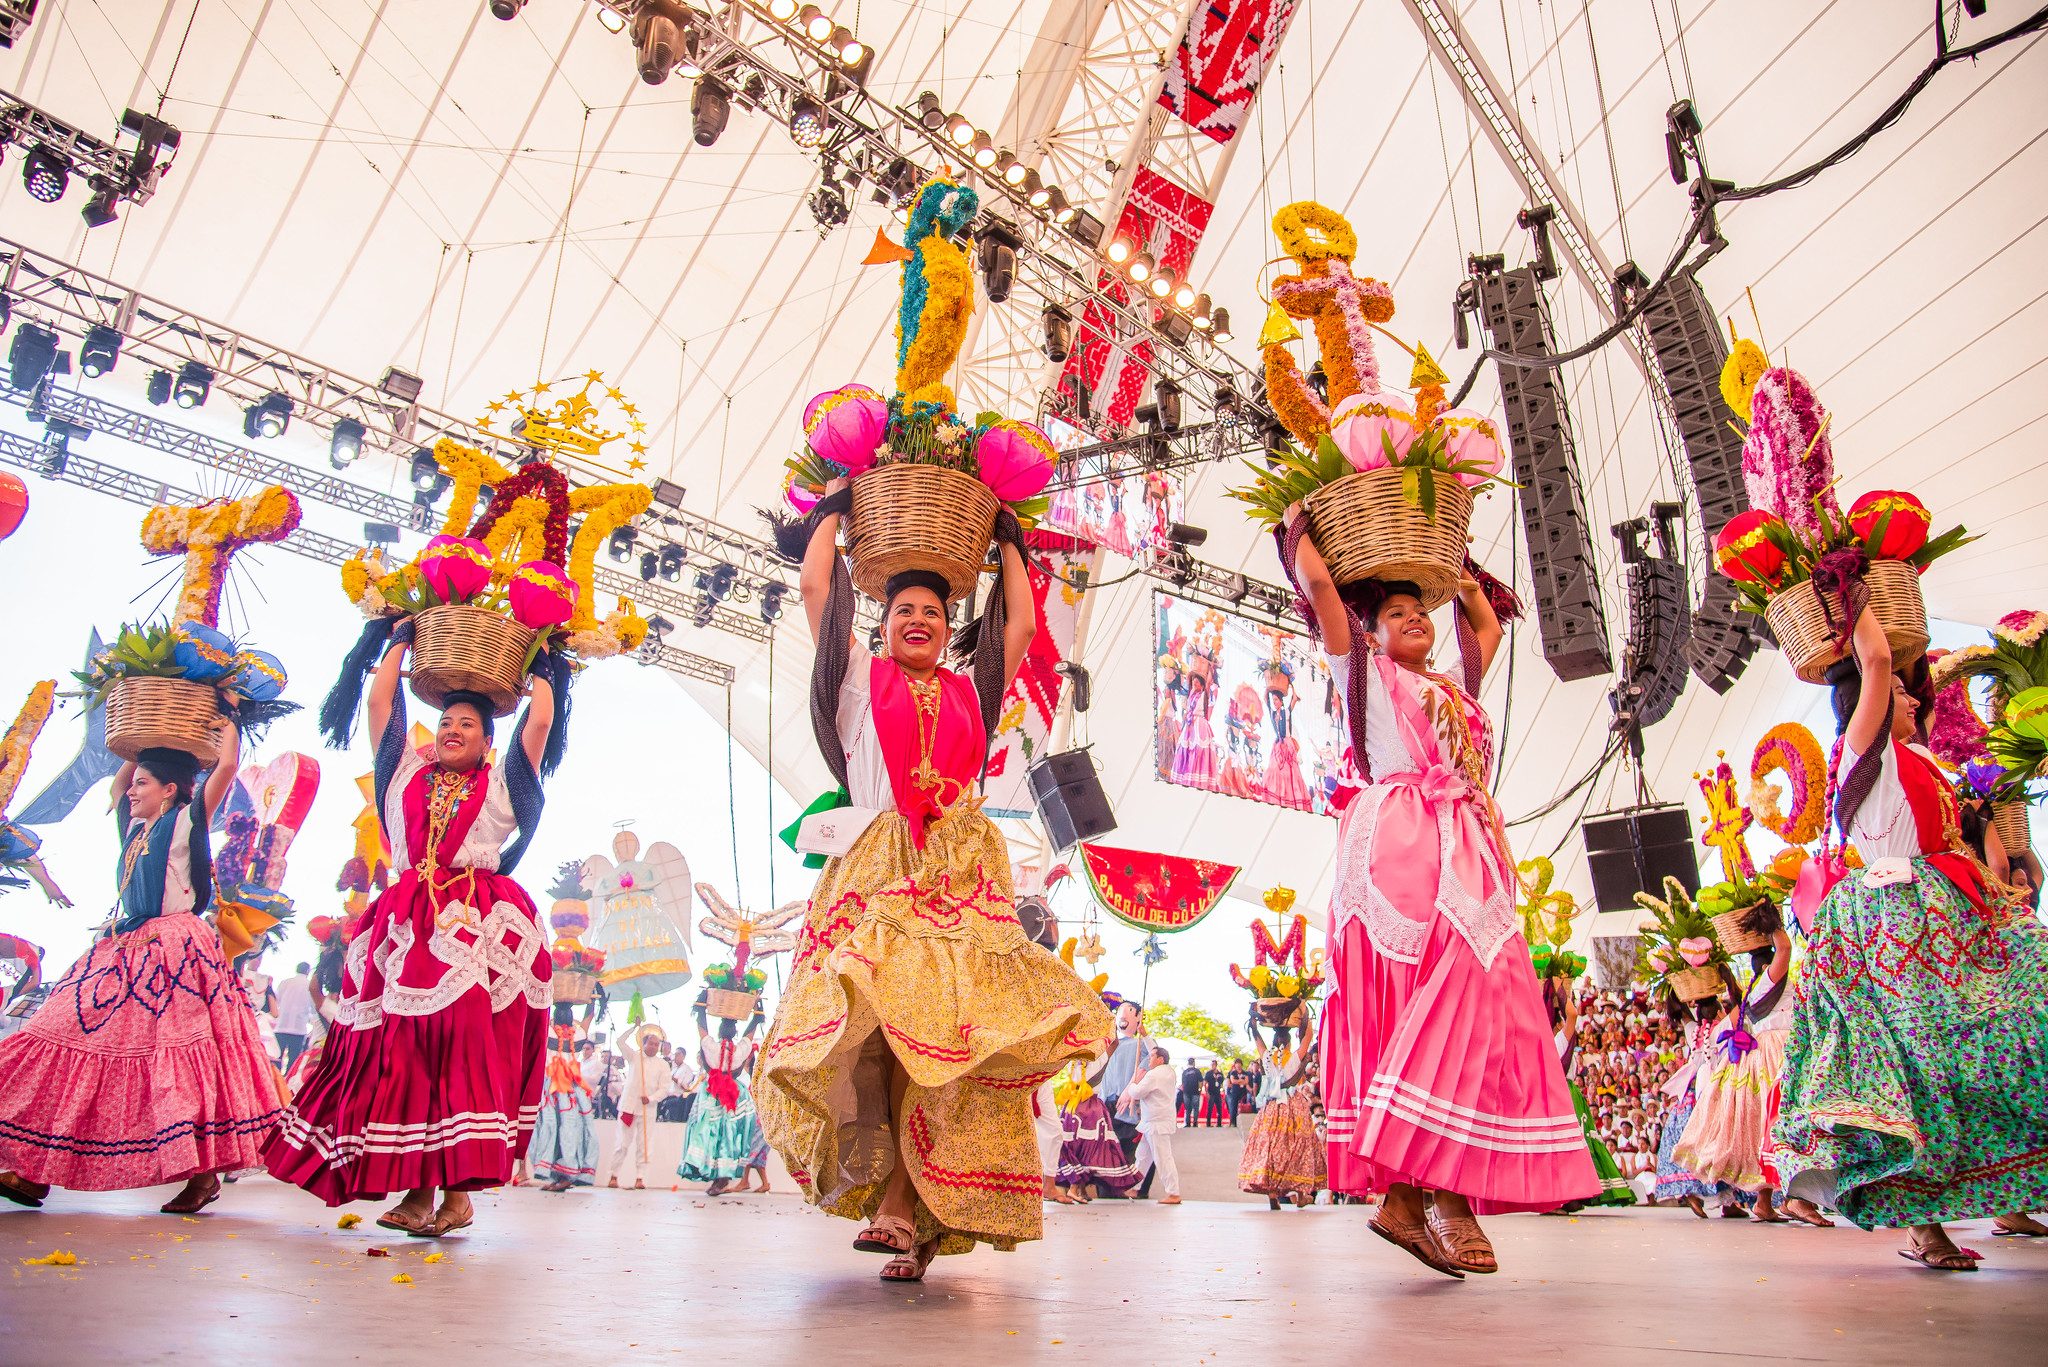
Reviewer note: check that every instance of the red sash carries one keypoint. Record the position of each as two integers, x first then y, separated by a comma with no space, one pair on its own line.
956,742
1935,814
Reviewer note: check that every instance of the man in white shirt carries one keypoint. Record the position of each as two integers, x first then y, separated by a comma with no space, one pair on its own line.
646,1082
1148,1099
294,1013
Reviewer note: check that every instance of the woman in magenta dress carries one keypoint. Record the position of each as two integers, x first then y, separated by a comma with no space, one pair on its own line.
1440,1076
1283,782
1195,761
431,1077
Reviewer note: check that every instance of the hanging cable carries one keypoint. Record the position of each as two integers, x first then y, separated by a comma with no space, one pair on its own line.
732,802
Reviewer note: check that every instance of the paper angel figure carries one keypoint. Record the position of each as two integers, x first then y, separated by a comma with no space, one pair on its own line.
642,912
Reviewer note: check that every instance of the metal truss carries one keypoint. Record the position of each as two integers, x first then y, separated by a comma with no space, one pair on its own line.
1240,595
1158,453
129,175
53,461
15,17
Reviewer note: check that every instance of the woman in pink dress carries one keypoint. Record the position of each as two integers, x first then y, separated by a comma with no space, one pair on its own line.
1440,1076
1195,761
431,1077
1283,782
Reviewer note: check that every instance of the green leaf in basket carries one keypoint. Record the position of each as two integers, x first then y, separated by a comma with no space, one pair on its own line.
1411,484
987,419
1387,445
1426,485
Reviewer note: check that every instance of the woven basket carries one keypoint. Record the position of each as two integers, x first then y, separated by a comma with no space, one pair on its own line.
2010,820
1694,984
727,1005
145,714
1728,930
919,517
573,988
1279,1010
1803,633
459,647
1366,529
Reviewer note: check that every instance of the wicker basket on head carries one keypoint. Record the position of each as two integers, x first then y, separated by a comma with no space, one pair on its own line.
1367,529
573,988
1695,984
173,714
2010,820
1802,629
459,647
919,517
729,1005
1728,929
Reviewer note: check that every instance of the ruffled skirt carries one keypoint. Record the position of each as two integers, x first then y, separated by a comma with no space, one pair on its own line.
564,1147
1915,1086
721,1144
1090,1150
1283,1155
1724,1140
142,1067
1283,782
918,954
432,1074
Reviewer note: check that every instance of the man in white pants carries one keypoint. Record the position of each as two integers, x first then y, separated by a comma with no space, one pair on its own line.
1150,1094
647,1078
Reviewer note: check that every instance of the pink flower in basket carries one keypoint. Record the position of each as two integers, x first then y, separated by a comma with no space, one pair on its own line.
1364,423
1660,958
1787,460
1016,460
1469,435
796,495
543,595
846,425
1696,951
456,567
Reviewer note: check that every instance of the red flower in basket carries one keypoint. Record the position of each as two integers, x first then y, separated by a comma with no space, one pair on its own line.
1905,532
456,568
1744,550
543,595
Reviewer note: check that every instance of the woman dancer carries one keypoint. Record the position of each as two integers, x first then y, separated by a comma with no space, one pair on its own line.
724,1140
143,1066
1676,1181
1195,762
1282,781
897,1078
431,1077
1283,1155
1440,1072
1723,1141
1915,1088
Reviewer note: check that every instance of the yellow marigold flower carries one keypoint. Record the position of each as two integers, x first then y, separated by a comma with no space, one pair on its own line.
1746,365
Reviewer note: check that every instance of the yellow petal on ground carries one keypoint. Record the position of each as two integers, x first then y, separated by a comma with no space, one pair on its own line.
56,1257
402,1277
348,1221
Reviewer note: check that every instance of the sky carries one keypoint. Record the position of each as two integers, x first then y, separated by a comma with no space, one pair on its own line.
641,750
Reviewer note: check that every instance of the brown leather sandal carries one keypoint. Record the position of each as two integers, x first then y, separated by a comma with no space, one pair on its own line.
445,1221
23,1192
909,1267
403,1220
1416,1240
1464,1243
195,1197
888,1234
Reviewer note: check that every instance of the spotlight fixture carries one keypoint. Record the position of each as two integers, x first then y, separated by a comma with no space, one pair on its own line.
716,584
425,469
613,21
345,444
195,380
668,493
829,206
847,48
1036,192
649,564
30,357
380,533
1120,249
159,387
401,385
1200,310
1059,333
781,10
1141,267
1184,296
930,112
1160,283
1008,169
1167,394
710,106
959,132
998,258
1219,326
1084,227
99,210
506,9
620,545
1181,535
771,601
268,416
816,24
861,66
896,184
1056,205
807,122
44,175
672,562
97,353
982,150
706,610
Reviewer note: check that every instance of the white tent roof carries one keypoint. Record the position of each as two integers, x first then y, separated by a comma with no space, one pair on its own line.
376,184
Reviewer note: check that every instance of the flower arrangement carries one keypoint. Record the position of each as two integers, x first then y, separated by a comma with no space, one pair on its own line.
1269,978
1726,819
727,978
1456,444
209,534
577,957
21,736
250,681
1678,940
1792,749
1547,918
2015,660
1734,894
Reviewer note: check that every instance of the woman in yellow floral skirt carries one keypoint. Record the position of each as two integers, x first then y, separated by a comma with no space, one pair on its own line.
896,1081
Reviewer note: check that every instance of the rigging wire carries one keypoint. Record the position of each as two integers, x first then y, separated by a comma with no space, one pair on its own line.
1606,129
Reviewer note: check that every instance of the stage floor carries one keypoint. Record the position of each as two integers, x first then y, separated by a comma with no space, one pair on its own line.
594,1276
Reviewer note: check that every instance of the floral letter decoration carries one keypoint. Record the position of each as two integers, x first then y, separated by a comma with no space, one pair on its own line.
1726,821
1792,748
208,536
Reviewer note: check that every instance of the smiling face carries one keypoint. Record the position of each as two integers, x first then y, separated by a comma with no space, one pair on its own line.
148,796
1404,630
1905,707
460,744
917,630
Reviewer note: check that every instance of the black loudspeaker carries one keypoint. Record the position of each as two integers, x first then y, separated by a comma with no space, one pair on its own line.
1070,799
1634,851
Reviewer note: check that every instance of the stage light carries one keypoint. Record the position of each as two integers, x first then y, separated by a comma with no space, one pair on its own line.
771,601
959,132
1036,193
1160,283
847,48
1219,326
44,175
1202,318
613,21
1181,535
380,533
1059,333
1224,401
686,60
668,493
401,385
672,562
781,10
998,258
99,210
1184,296
716,583
1056,205
649,564
863,66
706,611
1085,228
98,352
268,416
1141,267
195,381
159,387
983,150
807,122
30,357
710,107
896,184
1167,394
620,545
829,206
425,469
345,444
930,112
507,9
816,24
1120,249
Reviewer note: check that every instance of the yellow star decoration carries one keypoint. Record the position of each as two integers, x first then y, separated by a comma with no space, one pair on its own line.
638,448
615,396
593,376
636,464
496,407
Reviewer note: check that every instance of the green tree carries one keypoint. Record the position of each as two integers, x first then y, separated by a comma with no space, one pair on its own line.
1192,1024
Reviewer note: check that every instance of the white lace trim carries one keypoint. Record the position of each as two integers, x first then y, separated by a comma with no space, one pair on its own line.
1392,934
484,960
1486,925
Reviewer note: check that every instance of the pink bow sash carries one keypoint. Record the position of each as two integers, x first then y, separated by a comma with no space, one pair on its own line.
1437,785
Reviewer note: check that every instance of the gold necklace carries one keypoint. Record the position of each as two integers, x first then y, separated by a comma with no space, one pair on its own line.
924,697
445,793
